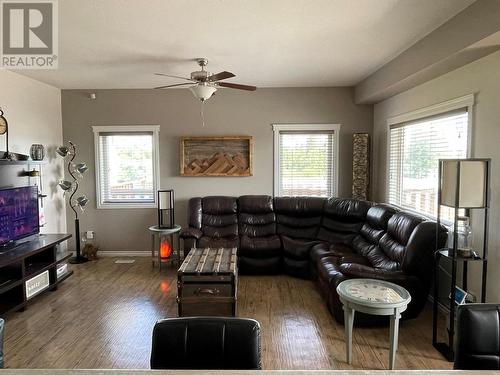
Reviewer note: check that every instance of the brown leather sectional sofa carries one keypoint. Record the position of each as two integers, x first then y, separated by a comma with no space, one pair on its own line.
327,239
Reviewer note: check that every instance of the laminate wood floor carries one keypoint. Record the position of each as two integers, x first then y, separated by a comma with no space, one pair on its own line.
102,317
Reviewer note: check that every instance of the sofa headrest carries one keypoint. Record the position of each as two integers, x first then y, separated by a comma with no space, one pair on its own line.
219,205
378,216
401,226
255,204
347,209
299,206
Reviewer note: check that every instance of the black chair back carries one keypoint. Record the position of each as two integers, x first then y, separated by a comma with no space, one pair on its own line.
217,343
2,324
478,337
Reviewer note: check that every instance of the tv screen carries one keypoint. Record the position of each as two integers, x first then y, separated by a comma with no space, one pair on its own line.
18,213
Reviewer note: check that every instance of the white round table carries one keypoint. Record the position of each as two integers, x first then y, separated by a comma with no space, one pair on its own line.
156,231
375,297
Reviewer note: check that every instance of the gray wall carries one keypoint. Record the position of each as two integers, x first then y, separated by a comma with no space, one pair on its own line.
178,113
483,79
33,111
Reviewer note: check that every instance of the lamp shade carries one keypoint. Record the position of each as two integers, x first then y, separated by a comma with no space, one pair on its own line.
469,176
203,92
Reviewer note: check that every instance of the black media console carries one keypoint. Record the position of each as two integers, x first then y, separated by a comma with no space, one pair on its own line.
31,269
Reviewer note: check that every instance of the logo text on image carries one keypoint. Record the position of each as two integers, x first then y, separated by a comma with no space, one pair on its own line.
29,34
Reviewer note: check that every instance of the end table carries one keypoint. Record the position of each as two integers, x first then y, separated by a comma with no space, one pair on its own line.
374,297
174,240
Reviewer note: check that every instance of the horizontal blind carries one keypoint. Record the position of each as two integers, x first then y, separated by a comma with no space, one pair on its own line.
414,151
306,163
126,167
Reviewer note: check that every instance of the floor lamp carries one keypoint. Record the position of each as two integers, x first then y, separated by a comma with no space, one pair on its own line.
75,170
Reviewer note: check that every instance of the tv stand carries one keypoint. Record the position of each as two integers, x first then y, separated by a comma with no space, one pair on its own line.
30,269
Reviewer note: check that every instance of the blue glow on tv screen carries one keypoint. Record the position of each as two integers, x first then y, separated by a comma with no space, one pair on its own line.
18,213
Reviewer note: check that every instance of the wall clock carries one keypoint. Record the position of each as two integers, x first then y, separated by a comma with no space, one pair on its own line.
3,123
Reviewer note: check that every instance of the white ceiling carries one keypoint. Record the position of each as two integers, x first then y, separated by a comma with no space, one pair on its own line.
268,43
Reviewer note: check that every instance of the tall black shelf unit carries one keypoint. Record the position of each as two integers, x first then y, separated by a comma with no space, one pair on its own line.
450,253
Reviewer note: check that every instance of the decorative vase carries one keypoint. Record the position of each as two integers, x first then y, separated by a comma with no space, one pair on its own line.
37,152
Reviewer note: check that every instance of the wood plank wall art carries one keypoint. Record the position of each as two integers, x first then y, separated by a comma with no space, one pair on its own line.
360,165
230,156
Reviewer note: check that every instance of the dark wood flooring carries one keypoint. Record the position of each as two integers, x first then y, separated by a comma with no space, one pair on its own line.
102,317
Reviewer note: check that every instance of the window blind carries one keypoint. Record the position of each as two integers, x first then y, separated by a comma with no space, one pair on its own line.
414,150
126,167
306,163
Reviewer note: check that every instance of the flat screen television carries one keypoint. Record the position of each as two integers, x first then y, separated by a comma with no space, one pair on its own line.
18,214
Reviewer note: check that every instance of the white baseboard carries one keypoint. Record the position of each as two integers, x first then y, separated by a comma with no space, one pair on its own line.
110,253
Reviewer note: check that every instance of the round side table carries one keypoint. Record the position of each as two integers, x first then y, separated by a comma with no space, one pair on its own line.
374,297
175,243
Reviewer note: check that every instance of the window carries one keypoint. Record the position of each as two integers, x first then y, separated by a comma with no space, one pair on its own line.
126,166
305,159
415,146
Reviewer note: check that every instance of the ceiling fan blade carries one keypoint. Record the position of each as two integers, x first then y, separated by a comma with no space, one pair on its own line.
179,84
171,76
237,86
220,76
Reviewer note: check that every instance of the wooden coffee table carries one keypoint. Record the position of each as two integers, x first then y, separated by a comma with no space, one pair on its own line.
207,283
374,297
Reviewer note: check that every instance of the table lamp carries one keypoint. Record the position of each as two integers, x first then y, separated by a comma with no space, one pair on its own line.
166,209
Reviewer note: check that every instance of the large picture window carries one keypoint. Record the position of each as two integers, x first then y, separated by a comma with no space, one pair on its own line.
126,166
414,150
306,159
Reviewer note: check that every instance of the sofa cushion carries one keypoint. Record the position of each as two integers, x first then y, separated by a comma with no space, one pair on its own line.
260,247
297,248
342,220
230,242
256,204
298,217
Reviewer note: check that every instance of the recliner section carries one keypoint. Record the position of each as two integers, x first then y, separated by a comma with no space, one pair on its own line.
260,246
298,220
328,240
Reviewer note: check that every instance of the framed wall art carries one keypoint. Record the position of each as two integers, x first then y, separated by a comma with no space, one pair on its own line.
230,156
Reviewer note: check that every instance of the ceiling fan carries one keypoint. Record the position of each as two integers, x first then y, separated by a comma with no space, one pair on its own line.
204,84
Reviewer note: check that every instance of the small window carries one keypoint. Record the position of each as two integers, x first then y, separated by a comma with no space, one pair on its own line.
306,159
414,150
126,166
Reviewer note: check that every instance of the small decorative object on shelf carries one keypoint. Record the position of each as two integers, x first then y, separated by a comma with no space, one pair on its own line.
463,186
464,238
71,187
166,218
37,152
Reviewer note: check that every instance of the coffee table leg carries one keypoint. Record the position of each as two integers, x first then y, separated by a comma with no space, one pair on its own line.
348,324
394,338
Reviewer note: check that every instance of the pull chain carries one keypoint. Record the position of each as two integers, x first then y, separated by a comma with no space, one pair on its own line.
202,114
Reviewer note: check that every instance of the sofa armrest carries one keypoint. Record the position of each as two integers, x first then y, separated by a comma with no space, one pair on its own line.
356,259
191,233
364,271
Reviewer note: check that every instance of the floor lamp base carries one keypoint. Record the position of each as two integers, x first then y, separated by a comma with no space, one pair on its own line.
78,260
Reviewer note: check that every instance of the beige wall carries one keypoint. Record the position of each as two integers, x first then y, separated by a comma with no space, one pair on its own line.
483,79
178,113
33,111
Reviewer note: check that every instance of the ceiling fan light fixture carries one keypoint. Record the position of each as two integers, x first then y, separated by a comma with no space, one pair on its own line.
203,92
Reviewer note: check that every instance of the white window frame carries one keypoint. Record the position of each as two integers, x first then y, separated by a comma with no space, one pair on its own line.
277,128
155,129
466,101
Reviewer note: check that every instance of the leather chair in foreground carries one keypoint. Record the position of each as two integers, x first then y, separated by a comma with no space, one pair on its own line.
478,337
2,323
210,343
